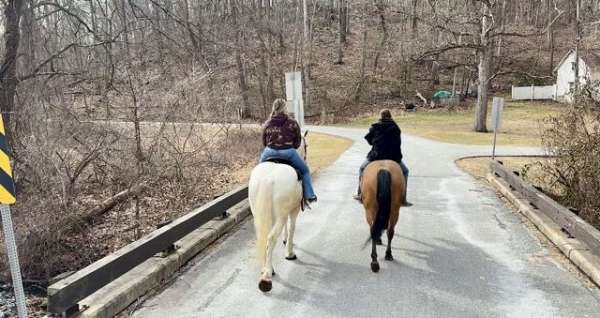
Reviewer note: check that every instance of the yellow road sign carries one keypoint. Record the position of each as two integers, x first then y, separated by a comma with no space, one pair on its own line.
7,186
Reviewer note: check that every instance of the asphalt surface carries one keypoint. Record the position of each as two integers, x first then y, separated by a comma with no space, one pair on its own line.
460,252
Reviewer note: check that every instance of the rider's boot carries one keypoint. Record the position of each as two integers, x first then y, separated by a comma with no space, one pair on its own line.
307,202
358,195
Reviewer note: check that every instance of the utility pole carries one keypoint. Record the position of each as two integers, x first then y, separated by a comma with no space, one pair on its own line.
577,41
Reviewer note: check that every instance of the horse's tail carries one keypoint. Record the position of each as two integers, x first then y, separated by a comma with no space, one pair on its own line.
263,218
384,203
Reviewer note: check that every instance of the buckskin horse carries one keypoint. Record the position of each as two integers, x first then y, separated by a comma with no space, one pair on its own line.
275,195
383,192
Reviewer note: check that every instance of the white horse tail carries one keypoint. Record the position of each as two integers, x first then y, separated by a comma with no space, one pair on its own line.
263,218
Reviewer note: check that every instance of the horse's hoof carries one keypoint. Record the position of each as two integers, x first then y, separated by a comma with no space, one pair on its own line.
265,285
273,273
375,267
284,242
389,257
378,242
291,258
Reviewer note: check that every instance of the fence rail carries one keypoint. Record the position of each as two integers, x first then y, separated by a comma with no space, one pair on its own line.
567,220
534,92
64,295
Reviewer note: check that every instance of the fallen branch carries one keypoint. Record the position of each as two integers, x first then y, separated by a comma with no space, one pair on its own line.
111,202
422,98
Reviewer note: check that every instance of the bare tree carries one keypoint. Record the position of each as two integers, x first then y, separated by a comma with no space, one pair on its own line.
341,34
8,69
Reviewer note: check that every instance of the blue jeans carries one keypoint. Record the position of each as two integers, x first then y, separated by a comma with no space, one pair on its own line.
294,158
367,162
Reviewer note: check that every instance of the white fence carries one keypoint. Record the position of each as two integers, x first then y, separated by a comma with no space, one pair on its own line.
534,92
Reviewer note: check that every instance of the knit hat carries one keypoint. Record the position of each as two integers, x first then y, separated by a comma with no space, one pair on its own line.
279,107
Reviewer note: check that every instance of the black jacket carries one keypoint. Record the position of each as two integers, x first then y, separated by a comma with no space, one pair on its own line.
384,136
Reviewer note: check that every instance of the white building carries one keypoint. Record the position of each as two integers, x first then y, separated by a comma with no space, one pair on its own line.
589,71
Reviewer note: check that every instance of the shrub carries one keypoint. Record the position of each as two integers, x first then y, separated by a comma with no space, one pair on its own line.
573,136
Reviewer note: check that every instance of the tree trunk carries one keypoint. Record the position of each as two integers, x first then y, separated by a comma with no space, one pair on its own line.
341,36
363,63
29,34
577,42
551,39
343,20
156,32
485,65
347,16
486,54
414,24
245,110
8,71
502,27
306,49
125,44
384,36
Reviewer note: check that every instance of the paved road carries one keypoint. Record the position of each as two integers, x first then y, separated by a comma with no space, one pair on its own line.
459,253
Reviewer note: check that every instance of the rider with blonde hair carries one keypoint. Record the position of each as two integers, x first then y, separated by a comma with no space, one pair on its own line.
281,137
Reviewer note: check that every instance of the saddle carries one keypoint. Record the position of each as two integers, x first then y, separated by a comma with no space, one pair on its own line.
303,202
285,162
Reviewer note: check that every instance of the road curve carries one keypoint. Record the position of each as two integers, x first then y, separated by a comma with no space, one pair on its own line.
460,252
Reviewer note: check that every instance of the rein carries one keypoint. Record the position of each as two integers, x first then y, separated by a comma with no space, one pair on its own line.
305,145
305,149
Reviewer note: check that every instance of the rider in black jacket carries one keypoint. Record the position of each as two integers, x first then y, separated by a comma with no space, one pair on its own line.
385,138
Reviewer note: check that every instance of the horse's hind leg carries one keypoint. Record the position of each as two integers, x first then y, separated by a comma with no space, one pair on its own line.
394,214
388,251
374,263
290,238
265,283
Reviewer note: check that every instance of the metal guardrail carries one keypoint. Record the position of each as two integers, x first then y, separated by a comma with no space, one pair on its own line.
64,295
567,220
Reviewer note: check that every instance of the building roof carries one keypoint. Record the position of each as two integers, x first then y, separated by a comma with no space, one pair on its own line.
563,60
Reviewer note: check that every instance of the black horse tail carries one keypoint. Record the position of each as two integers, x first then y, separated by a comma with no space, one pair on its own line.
384,202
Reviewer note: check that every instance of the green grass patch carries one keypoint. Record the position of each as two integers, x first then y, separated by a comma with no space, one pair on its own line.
522,124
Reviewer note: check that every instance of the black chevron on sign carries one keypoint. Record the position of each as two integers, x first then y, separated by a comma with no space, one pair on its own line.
7,182
3,143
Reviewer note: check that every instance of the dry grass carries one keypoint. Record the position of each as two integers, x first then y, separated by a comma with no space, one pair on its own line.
530,168
324,149
522,123
479,167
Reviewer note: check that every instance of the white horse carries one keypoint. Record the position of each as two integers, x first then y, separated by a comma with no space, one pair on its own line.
275,195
